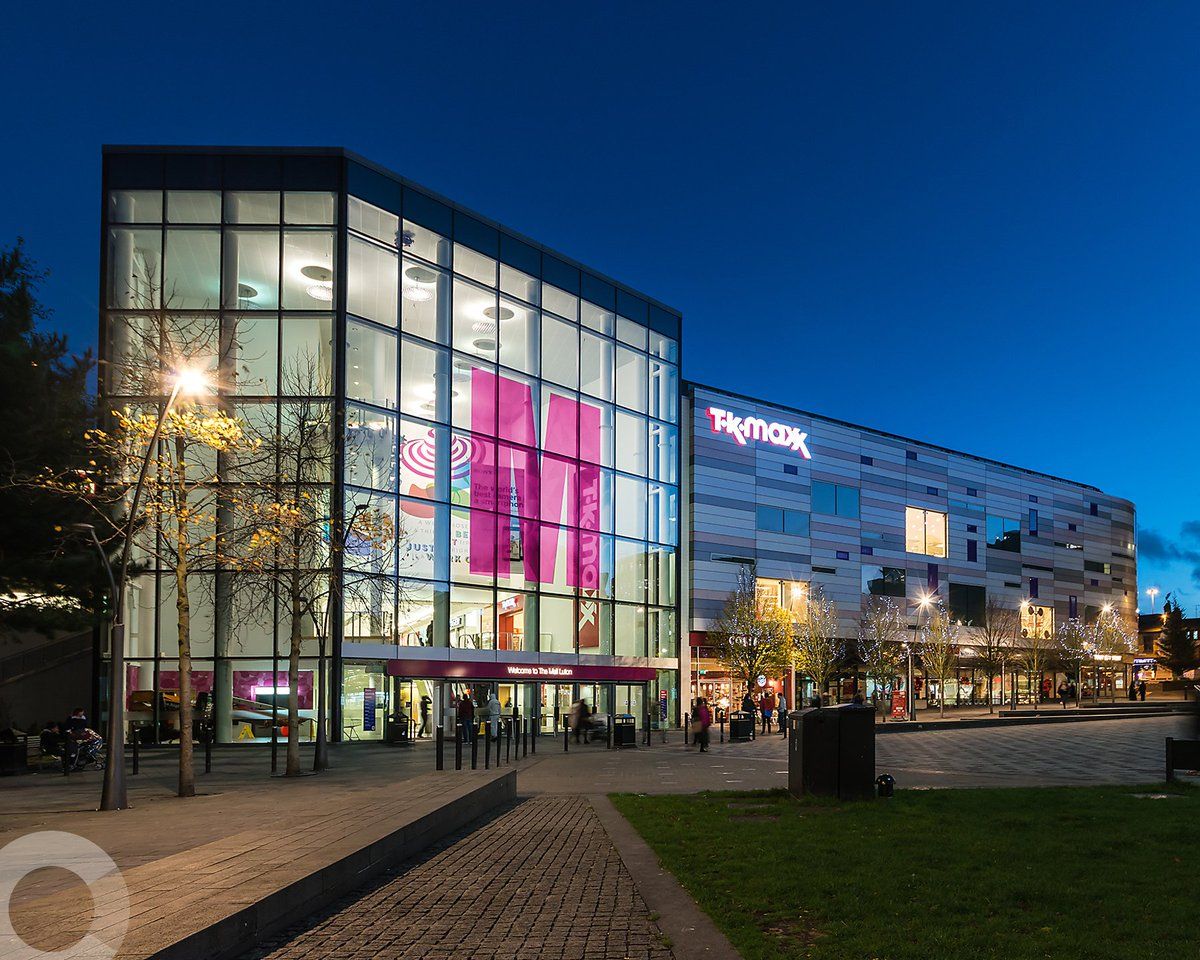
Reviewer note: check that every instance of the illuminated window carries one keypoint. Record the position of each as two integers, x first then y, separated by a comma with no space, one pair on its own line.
925,532
789,594
1037,620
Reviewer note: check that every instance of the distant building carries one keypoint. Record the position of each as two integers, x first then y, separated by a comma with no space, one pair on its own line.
1150,627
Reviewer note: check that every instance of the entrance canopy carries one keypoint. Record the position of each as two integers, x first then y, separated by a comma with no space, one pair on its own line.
519,672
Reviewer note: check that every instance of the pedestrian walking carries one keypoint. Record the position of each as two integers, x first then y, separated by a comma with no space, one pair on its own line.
426,717
493,710
1142,690
703,722
1063,693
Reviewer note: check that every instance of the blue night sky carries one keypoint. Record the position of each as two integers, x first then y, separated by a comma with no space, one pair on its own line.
970,226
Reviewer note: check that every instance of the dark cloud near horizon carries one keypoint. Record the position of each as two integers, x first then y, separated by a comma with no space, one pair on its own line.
1154,546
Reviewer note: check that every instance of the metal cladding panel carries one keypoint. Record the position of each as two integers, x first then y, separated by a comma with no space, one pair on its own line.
732,478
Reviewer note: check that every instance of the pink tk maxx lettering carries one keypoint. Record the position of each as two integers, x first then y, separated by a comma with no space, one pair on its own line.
757,429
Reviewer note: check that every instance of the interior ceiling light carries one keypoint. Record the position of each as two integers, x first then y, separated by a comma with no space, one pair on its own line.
416,281
246,292
499,313
420,274
417,294
321,287
484,344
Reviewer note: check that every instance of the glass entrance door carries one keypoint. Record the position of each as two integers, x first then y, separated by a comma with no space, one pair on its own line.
630,698
555,704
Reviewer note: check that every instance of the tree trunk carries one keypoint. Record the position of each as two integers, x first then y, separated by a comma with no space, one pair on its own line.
991,704
187,770
942,697
293,742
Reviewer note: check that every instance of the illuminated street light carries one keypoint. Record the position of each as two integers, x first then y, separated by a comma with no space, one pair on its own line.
1152,592
189,382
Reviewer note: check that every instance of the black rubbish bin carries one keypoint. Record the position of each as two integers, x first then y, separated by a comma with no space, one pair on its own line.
741,726
14,757
834,753
624,731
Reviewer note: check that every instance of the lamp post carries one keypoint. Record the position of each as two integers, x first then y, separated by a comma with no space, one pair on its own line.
114,796
1152,592
923,603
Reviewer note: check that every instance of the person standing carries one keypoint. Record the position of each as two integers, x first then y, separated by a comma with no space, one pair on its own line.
1142,690
766,708
1063,692
704,719
781,705
466,716
493,709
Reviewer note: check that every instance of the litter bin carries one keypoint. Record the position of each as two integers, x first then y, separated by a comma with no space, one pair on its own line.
832,752
741,726
624,731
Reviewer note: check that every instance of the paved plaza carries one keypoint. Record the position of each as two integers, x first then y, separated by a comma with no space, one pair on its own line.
541,880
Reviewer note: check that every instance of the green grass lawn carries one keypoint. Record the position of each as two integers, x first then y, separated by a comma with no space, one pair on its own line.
1058,873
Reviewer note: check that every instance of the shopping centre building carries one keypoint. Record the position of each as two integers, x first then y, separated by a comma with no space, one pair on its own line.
563,512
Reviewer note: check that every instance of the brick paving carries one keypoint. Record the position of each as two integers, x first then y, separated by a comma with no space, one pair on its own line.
540,880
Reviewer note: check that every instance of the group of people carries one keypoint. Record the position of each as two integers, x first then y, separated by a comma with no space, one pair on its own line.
768,707
470,718
1067,690
73,742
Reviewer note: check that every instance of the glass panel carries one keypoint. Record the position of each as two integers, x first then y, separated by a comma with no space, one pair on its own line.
847,502
473,264
630,564
597,318
664,391
631,443
421,525
560,421
309,207
307,367
596,366
476,315
630,630
251,278
518,284
370,449
661,575
374,222
252,207
664,512
472,618
824,497
935,533
631,507
664,347
415,614
519,336
914,529
370,365
473,395
422,370
425,244
307,269
560,352
422,450
135,206
425,304
559,301
193,206
374,553
134,268
193,270
372,282
631,332
254,341
631,379
556,624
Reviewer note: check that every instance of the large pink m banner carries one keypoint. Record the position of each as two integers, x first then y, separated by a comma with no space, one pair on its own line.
551,497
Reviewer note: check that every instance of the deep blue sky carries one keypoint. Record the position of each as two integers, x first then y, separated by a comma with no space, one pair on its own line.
972,224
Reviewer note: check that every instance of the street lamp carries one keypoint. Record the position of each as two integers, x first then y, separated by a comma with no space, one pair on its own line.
1152,592
186,382
923,602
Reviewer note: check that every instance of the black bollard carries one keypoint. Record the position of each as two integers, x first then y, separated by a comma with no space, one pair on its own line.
439,742
686,722
722,727
458,735
474,748
136,760
487,747
566,738
610,729
524,737
508,731
533,733
207,752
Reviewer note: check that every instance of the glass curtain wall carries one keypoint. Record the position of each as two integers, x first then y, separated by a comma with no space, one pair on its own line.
241,285
523,438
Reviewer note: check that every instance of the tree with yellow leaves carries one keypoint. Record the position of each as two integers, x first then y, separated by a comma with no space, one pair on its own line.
753,635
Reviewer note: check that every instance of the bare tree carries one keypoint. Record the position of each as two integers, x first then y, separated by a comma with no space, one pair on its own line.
1037,648
818,649
752,636
994,639
1113,639
939,649
1075,648
881,629
289,543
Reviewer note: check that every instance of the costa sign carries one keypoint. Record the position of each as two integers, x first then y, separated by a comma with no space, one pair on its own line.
745,429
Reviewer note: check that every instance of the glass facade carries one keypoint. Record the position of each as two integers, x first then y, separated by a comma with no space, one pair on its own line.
509,418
